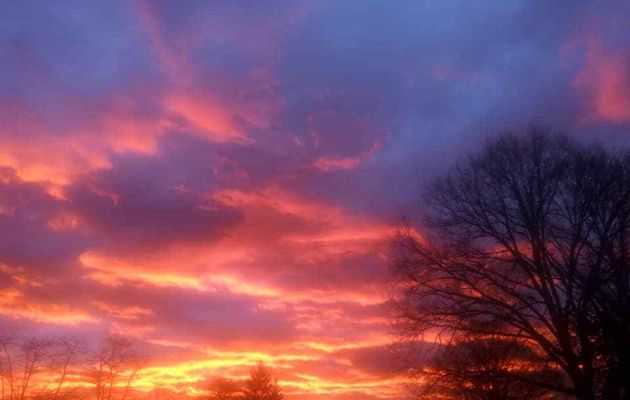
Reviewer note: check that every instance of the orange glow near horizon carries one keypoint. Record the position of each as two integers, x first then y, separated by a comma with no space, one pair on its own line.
228,267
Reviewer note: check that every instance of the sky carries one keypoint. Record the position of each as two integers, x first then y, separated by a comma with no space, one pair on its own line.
220,181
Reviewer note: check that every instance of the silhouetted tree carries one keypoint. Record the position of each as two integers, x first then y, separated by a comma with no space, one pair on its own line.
63,356
486,369
261,385
224,389
35,368
113,368
39,368
533,235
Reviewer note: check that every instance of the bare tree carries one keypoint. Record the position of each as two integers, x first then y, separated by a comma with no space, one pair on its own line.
33,353
114,368
64,357
34,368
22,360
532,235
6,367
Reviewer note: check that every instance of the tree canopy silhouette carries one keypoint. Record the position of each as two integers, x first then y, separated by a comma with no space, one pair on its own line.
224,389
486,368
529,241
260,385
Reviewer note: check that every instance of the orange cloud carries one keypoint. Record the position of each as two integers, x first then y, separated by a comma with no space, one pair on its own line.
202,114
194,112
14,304
129,133
169,273
130,313
55,162
333,163
40,152
111,272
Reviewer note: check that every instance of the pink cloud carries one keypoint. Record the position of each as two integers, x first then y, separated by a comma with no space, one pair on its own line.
604,82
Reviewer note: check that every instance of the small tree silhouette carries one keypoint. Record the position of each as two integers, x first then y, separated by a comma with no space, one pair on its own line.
224,389
261,384
114,368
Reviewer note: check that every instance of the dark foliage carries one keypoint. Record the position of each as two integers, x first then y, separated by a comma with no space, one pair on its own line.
486,369
260,385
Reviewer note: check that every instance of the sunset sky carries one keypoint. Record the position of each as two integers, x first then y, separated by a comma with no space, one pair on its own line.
220,180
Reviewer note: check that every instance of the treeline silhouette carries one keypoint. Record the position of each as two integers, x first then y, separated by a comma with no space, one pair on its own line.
521,274
64,368
260,385
61,368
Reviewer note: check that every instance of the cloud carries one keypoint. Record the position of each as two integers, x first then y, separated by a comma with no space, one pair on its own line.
604,81
14,305
142,203
28,222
